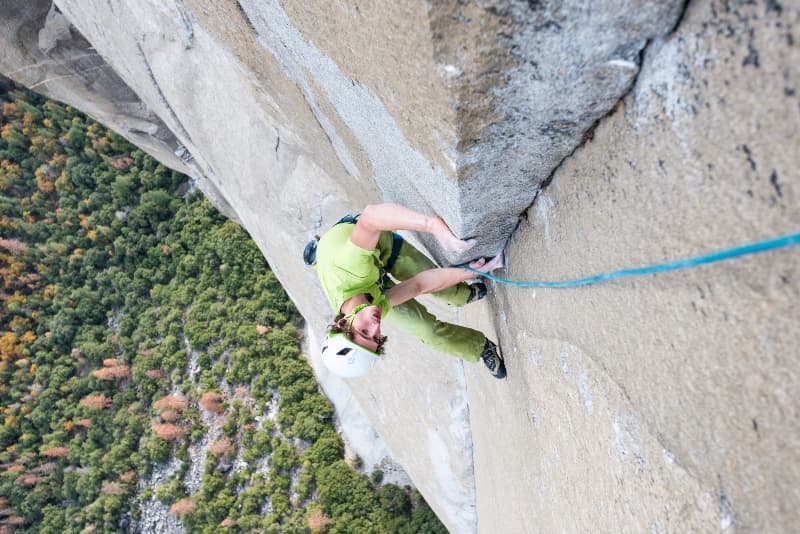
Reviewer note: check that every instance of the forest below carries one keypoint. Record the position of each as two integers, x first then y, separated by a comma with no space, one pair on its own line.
148,355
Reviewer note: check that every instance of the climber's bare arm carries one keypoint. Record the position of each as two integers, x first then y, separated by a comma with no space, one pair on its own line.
434,280
429,281
377,218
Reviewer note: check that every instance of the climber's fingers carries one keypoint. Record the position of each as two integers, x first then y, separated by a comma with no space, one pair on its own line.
477,264
487,267
448,240
495,263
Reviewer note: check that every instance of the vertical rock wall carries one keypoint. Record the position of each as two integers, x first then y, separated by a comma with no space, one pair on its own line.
528,80
666,403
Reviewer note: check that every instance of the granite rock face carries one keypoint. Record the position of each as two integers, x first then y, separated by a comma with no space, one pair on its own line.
582,137
528,80
665,403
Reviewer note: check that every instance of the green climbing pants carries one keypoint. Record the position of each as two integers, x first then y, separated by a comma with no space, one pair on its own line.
412,318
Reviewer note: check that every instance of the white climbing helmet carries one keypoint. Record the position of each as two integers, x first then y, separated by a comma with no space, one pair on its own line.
346,358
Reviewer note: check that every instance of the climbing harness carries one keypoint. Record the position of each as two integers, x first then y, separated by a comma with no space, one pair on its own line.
726,254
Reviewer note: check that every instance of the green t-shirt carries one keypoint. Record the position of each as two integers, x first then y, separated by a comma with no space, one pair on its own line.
346,270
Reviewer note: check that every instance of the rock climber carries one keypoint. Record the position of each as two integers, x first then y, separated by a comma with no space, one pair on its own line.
353,260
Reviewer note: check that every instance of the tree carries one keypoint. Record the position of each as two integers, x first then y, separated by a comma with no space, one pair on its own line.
97,402
114,372
112,488
317,520
171,402
169,431
212,402
14,246
106,278
55,452
222,446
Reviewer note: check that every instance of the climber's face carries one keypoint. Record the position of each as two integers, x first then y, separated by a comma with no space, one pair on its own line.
366,328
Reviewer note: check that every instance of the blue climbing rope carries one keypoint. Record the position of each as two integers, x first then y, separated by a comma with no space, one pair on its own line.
743,250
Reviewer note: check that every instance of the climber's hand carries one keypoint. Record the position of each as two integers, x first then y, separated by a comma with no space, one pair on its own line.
488,266
445,237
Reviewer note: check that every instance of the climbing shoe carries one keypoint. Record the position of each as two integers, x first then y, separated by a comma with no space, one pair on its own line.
493,360
476,291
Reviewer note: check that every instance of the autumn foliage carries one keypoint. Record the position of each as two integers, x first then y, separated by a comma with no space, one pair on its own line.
15,247
168,431
121,163
169,416
317,520
221,446
112,488
55,452
212,402
171,402
15,521
98,401
183,507
29,480
113,372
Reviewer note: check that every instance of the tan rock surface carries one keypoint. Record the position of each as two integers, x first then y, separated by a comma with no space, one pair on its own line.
666,403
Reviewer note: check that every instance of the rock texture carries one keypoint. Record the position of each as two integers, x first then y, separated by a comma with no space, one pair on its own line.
676,392
529,79
658,129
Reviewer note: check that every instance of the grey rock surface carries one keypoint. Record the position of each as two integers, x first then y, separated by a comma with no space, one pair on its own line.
664,403
661,404
528,79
